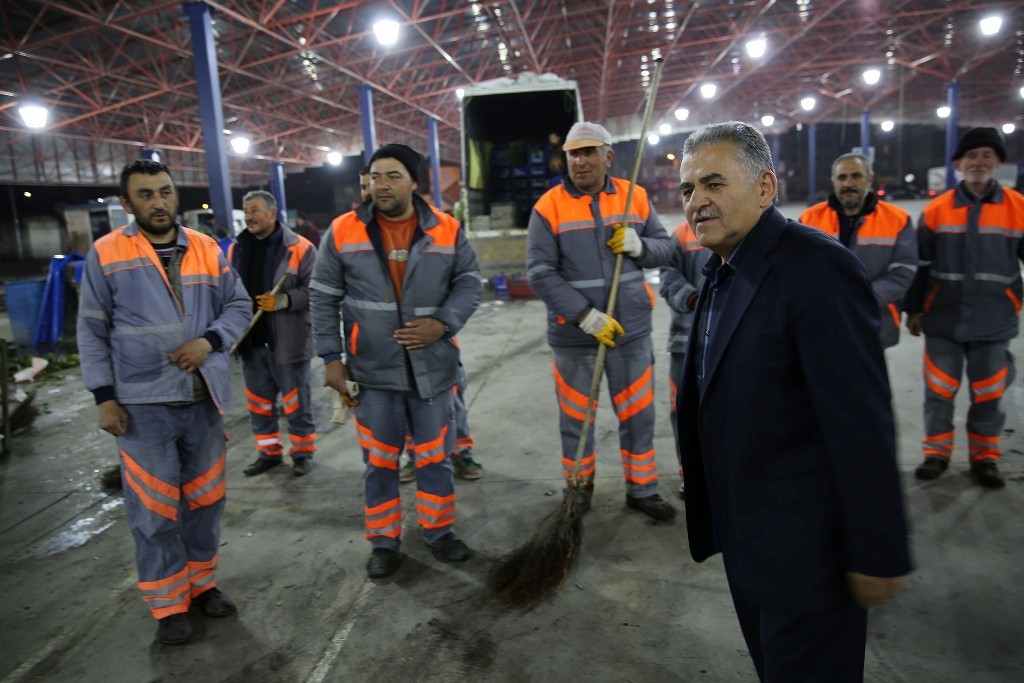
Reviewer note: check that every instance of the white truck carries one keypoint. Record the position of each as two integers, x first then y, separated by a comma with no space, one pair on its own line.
511,146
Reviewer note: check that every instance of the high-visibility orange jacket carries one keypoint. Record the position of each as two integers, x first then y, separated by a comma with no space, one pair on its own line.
570,265
351,282
968,287
130,319
885,242
291,328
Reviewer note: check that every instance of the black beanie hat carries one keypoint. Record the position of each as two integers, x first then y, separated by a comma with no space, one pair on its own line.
403,154
981,137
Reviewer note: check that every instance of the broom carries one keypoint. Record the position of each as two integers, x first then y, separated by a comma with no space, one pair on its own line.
524,577
255,318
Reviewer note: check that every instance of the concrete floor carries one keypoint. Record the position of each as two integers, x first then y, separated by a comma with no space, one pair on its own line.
635,609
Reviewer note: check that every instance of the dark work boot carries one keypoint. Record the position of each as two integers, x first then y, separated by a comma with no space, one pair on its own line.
383,562
215,604
174,630
931,468
987,474
260,466
653,506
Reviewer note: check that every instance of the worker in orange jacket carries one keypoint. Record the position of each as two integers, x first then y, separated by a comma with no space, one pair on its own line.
880,234
967,299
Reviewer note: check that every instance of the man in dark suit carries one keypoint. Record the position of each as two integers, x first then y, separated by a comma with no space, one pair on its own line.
785,426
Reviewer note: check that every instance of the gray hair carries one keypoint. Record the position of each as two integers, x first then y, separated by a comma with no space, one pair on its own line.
267,198
752,151
853,156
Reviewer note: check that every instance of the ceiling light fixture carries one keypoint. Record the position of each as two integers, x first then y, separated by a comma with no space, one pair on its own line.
767,120
683,113
386,31
887,126
871,76
240,144
942,112
34,116
653,139
756,47
334,158
991,25
1008,128
807,103
707,91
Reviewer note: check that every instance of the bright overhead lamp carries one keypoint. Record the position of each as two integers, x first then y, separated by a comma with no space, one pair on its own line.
653,139
942,112
1022,92
756,47
28,194
707,91
240,144
991,25
670,156
871,76
1008,128
34,116
460,92
334,158
683,113
386,31
767,120
664,129
807,103
888,126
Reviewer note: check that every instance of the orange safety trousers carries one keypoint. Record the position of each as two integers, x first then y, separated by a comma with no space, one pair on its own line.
383,418
172,459
629,371
990,370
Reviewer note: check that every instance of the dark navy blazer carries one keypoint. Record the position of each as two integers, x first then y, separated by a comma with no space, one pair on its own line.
788,447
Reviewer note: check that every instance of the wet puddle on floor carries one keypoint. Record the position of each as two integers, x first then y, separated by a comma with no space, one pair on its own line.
77,533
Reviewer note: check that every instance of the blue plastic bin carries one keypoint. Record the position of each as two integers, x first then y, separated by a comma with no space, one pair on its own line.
24,297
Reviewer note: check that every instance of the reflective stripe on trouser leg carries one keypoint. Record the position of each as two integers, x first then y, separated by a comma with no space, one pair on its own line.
261,400
380,425
173,463
291,381
990,371
630,373
628,370
943,367
460,418
572,405
433,442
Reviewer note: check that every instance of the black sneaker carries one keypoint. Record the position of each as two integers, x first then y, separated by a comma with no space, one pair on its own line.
383,562
174,630
302,466
931,468
260,466
450,549
652,506
987,474
214,604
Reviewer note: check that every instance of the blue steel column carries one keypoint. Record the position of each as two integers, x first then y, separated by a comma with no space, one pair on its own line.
151,154
435,163
211,112
776,160
276,173
865,132
812,163
953,102
369,124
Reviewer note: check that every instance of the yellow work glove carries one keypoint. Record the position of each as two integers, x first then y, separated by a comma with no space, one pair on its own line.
601,326
268,303
625,241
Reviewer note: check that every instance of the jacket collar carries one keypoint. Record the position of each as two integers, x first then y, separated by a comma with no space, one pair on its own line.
609,186
870,204
425,215
132,230
964,197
